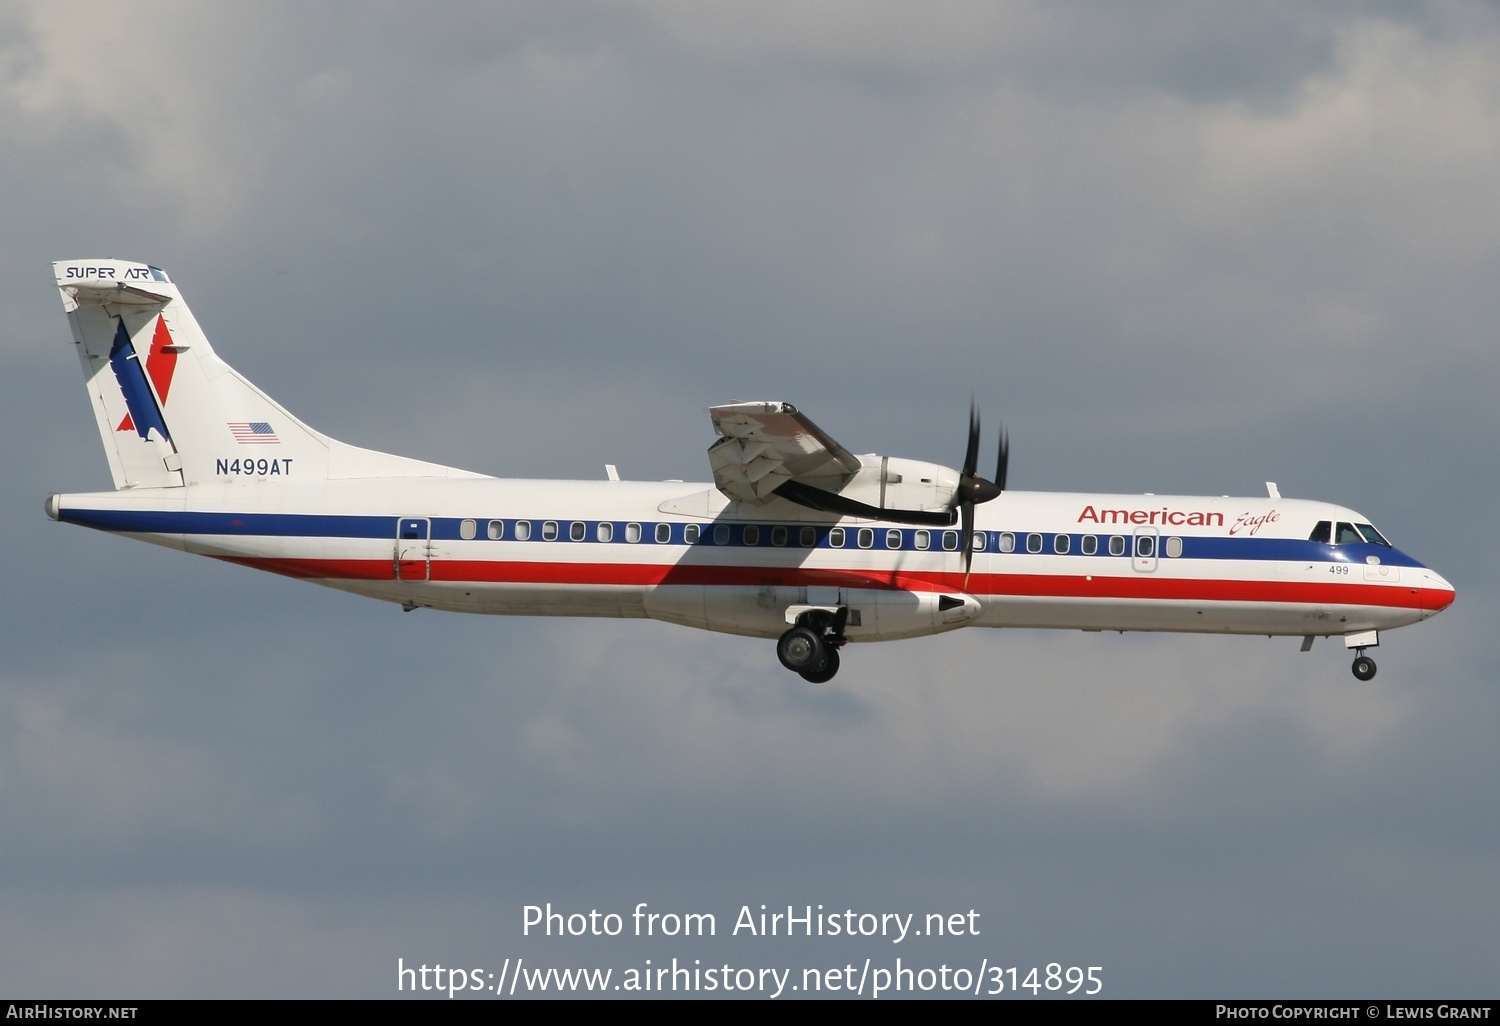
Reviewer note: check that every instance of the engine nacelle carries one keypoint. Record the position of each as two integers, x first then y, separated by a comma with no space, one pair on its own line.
889,482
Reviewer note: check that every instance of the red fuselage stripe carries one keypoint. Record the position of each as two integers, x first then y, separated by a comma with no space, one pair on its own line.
1139,586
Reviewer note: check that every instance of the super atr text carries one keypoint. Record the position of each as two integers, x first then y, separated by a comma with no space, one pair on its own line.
751,921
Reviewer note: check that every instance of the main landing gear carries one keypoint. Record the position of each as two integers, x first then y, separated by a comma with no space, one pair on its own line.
1364,666
811,648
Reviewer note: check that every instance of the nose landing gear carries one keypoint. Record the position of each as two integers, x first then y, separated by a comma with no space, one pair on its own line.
1364,666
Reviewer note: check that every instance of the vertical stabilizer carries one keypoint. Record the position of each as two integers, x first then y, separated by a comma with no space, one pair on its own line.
170,412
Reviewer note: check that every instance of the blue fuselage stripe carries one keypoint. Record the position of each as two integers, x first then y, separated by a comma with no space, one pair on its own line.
311,525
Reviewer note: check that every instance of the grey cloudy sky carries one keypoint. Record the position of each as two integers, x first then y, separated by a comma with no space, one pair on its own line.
1178,247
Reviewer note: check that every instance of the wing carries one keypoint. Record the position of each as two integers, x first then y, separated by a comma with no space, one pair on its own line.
765,445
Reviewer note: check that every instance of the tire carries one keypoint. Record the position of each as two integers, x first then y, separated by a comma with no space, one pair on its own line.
824,673
801,649
1364,668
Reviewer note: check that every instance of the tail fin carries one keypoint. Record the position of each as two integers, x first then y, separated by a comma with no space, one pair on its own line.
170,412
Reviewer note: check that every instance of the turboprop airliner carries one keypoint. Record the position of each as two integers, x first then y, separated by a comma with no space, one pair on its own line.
796,539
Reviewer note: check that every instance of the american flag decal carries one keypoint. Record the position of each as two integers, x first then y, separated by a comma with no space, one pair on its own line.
253,432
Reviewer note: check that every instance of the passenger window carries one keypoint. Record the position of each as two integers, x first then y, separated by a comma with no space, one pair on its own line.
1007,541
1090,545
663,533
549,531
950,541
866,538
1060,544
836,538
923,540
807,537
1145,545
605,532
467,529
1322,533
1116,546
721,534
578,530
778,536
1174,547
523,530
497,529
980,540
752,535
632,533
893,539
690,534
1033,543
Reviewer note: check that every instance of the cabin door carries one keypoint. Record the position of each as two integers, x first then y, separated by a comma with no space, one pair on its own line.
413,548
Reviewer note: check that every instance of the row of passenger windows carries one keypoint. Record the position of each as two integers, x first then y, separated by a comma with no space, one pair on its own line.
578,530
807,537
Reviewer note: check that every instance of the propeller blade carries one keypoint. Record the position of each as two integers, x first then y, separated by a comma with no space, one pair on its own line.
968,541
971,455
973,489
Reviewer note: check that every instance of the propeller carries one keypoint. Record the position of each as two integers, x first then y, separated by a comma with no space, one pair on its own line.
973,489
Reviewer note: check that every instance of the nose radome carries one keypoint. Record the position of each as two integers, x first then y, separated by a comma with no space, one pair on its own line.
1446,593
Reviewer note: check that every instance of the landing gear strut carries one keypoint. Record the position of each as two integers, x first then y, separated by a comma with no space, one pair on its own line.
811,648
1364,666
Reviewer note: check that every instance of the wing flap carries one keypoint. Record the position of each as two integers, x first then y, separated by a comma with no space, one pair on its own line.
766,445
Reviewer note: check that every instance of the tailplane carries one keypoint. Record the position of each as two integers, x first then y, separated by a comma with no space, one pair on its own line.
170,412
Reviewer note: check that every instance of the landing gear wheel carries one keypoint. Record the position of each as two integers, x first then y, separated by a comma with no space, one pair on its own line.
801,650
824,673
1364,667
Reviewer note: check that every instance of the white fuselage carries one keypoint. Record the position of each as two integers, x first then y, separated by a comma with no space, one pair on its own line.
797,538
684,553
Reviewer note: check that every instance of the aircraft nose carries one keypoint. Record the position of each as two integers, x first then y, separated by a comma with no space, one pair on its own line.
1440,594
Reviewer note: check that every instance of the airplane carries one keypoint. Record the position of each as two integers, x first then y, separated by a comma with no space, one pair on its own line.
796,538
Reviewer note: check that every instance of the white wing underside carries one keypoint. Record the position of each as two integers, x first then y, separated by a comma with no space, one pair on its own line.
767,444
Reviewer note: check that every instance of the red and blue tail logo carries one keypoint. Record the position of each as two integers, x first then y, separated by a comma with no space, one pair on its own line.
145,387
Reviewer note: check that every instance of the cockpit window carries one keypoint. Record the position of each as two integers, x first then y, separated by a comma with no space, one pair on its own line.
1346,535
1322,532
1372,536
